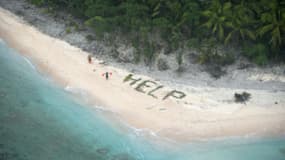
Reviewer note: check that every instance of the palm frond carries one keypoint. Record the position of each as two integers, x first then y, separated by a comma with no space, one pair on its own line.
229,37
264,29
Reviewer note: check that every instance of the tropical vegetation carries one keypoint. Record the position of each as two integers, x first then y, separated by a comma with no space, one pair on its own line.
256,26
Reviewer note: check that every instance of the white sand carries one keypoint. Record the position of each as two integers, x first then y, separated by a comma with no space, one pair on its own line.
204,113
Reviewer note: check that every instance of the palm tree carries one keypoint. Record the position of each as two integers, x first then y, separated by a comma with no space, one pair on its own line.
241,22
218,16
190,18
273,23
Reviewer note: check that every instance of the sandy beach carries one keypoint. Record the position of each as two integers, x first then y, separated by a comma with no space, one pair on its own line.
182,113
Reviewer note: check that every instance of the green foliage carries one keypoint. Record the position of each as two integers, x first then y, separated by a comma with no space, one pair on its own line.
74,25
89,37
68,30
242,97
149,52
211,58
46,11
239,26
272,24
207,49
218,17
179,58
209,53
230,22
136,44
37,2
256,52
193,42
99,24
258,23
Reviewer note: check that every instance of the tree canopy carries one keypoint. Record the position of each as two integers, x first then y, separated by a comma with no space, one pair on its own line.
248,23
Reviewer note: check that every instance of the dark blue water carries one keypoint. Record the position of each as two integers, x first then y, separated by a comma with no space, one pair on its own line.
41,121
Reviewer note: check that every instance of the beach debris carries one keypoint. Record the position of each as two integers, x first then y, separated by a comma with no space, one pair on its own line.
242,97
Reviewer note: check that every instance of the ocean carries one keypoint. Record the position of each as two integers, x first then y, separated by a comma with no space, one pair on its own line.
40,120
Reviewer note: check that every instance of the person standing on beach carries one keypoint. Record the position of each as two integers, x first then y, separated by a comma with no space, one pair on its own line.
89,57
106,74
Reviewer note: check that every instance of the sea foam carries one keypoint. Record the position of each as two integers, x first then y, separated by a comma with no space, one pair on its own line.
30,63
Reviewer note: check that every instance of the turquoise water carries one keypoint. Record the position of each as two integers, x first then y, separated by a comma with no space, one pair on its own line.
41,121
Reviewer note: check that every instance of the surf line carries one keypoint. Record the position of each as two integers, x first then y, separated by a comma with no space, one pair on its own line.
151,87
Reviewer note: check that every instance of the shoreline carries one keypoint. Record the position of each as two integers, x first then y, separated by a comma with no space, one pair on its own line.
201,114
240,75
